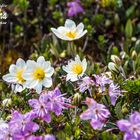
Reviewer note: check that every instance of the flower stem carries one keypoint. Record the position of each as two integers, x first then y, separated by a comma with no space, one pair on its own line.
71,50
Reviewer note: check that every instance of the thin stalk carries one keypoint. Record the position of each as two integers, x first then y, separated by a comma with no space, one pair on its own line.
123,72
133,64
71,50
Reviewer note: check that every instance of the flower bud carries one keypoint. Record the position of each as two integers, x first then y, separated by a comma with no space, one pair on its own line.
116,19
77,99
113,67
125,109
134,55
63,54
115,59
123,54
108,74
7,102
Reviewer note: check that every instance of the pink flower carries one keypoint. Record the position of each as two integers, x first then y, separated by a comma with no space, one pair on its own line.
40,108
102,81
47,102
97,113
131,127
56,102
74,8
114,93
86,84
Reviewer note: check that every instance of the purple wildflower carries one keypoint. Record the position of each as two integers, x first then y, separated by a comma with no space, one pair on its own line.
23,123
102,81
49,137
40,108
34,138
74,8
86,84
97,113
131,127
56,102
6,132
114,92
46,137
50,101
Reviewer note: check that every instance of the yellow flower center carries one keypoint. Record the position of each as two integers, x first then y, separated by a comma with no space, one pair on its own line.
77,69
71,34
39,74
19,76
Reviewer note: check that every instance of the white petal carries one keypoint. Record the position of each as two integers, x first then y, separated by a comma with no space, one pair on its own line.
41,60
46,65
13,69
31,65
9,78
27,75
31,84
38,87
69,24
19,88
80,35
66,69
55,31
47,82
84,64
49,72
72,77
79,28
62,30
77,59
20,63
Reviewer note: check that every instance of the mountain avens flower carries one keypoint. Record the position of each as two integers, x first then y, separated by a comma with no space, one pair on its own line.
70,31
15,75
75,69
38,74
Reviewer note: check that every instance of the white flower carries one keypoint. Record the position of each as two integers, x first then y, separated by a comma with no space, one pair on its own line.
75,69
38,74
69,31
15,75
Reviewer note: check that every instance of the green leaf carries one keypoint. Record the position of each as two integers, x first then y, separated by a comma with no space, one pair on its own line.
137,46
108,136
77,133
23,4
130,11
118,110
68,130
129,29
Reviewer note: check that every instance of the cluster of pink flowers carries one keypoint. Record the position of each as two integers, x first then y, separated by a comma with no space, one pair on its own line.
21,127
52,101
102,83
